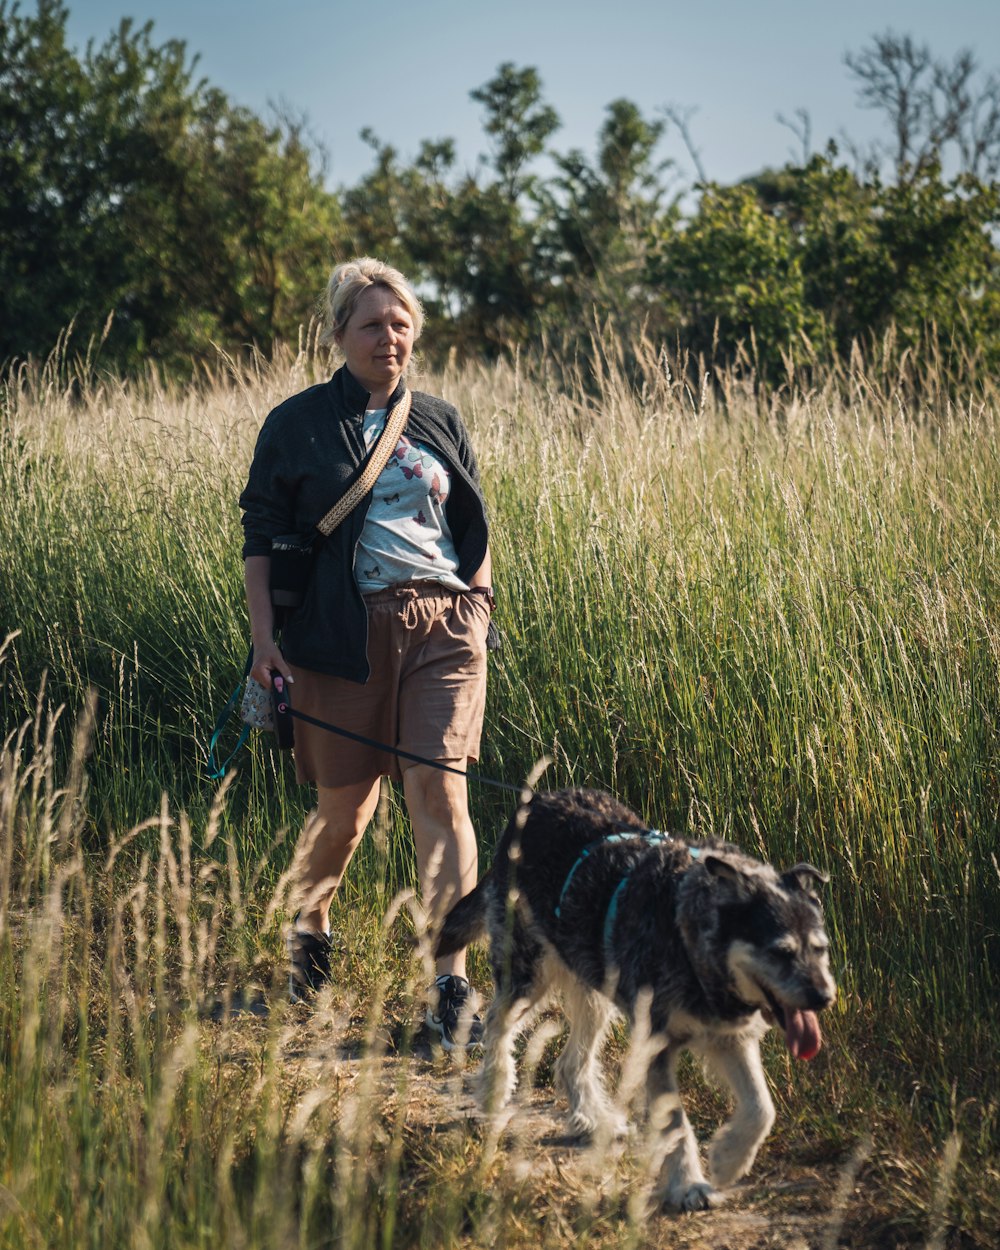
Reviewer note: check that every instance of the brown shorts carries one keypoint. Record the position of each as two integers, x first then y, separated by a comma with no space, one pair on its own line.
426,693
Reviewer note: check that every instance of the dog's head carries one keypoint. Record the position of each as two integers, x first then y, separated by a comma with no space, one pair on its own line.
770,935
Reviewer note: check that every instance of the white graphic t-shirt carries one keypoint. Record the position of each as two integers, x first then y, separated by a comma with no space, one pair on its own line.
406,536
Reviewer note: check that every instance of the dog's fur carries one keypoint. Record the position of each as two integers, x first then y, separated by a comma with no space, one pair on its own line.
712,945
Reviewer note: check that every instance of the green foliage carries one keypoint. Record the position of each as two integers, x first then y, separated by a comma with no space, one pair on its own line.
734,271
518,122
129,188
906,256
807,261
132,190
944,265
602,222
43,184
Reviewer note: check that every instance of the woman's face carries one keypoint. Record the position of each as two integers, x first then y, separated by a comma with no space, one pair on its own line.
377,341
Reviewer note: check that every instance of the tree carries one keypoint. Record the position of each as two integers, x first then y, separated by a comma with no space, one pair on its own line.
602,218
945,264
833,218
815,251
519,123
128,187
46,208
733,273
937,111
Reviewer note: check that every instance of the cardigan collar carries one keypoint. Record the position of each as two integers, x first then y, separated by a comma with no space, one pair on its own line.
354,395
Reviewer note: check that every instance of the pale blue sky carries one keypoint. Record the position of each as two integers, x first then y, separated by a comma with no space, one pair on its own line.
406,70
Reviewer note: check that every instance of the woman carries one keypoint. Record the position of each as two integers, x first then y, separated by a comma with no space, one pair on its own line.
390,642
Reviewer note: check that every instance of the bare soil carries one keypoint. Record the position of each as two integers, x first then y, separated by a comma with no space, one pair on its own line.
787,1203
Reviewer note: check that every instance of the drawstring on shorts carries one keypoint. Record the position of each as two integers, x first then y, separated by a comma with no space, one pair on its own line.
408,612
405,597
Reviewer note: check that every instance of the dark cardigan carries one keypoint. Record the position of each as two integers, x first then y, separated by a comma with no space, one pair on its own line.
307,454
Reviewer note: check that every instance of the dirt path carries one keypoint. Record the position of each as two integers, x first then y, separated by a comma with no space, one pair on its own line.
784,1204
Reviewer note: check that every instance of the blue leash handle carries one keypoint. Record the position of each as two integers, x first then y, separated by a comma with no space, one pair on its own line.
219,770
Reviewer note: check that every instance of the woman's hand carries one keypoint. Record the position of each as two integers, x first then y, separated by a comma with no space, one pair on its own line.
267,657
266,652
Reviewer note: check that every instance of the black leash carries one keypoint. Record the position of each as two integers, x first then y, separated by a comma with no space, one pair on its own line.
287,710
283,709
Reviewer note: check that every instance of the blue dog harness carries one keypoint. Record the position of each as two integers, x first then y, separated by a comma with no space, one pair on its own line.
623,835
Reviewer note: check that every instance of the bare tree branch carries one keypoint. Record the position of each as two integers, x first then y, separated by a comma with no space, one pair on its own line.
801,128
934,107
681,118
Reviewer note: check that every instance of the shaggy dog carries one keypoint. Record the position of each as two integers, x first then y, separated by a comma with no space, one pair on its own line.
691,939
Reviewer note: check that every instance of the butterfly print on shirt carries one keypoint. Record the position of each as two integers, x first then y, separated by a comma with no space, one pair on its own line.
406,450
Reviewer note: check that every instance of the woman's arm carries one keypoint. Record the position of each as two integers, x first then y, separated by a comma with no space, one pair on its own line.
266,653
483,576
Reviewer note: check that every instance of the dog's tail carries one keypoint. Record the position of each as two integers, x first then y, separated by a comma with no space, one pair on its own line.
464,923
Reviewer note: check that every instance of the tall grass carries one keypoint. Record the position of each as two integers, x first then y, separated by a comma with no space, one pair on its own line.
773,616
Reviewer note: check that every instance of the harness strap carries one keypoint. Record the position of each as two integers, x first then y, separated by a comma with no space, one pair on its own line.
623,835
611,916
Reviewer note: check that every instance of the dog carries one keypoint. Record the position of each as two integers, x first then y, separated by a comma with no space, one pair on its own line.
692,939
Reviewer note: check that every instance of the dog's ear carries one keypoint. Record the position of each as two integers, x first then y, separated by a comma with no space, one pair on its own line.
723,870
804,877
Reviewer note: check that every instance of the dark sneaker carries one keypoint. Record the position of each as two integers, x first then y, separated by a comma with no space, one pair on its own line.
308,964
452,1018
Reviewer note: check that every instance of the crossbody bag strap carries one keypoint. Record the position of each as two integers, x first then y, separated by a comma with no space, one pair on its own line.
383,449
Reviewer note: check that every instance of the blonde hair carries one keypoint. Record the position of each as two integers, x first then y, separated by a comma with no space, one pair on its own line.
347,284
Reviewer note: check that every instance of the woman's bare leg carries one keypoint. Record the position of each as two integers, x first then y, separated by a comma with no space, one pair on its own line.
328,841
445,843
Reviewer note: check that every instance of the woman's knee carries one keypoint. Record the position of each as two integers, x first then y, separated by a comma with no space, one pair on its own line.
439,796
344,812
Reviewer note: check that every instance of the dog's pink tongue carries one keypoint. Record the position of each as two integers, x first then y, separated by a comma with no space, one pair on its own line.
802,1034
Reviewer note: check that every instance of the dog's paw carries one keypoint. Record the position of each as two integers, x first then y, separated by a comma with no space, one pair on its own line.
700,1197
582,1124
597,1126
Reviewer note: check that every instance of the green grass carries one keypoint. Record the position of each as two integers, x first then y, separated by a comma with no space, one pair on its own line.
773,616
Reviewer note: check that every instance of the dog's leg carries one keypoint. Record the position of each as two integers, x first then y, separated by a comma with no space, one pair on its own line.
578,1070
682,1182
734,1147
508,1015
521,981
